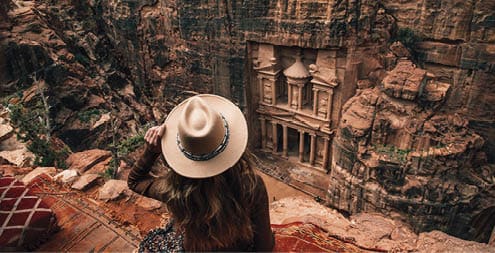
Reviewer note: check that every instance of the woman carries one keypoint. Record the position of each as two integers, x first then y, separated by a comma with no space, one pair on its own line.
217,201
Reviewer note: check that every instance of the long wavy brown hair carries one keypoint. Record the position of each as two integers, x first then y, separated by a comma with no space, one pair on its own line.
213,212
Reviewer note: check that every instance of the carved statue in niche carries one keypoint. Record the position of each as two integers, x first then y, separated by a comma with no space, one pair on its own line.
322,104
295,97
267,92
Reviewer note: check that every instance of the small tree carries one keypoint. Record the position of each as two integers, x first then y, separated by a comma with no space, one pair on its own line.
34,128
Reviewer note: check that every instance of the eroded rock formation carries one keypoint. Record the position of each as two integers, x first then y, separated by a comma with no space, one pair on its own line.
395,152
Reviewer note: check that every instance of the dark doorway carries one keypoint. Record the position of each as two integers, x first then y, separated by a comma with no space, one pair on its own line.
280,138
292,142
307,147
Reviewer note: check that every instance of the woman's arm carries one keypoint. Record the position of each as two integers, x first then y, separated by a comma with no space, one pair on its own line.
139,179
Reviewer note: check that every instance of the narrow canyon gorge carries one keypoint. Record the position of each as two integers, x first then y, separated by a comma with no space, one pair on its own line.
370,110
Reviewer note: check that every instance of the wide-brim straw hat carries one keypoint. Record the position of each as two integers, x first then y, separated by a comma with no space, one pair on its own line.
205,135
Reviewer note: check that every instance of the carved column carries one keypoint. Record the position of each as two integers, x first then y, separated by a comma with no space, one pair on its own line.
274,136
260,84
263,133
274,92
329,105
325,154
315,102
312,150
299,98
284,151
301,146
289,94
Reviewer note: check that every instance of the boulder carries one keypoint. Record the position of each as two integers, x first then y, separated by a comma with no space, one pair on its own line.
82,161
85,181
19,157
5,131
148,203
404,81
112,189
66,176
100,167
50,171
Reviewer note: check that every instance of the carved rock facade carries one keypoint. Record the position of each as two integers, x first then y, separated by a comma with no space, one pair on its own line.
296,106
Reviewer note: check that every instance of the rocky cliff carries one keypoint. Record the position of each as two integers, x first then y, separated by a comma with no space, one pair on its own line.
415,137
396,152
158,46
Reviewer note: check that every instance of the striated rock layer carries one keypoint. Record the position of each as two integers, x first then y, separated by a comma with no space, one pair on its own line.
151,49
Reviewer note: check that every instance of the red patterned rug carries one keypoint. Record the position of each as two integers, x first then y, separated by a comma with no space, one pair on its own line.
307,237
25,219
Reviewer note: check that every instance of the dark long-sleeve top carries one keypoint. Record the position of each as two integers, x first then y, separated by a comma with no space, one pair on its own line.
142,182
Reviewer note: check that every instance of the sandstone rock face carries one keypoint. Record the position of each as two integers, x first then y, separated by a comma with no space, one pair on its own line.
396,153
166,47
65,50
458,41
148,44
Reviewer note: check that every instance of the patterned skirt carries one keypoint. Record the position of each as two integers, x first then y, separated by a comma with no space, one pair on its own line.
162,240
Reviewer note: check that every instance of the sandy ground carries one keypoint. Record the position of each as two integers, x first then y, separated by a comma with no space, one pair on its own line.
278,190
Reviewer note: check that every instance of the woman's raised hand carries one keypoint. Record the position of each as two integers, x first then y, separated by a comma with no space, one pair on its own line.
153,137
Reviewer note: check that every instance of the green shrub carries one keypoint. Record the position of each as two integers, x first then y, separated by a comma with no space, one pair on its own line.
408,38
5,101
82,59
89,115
132,143
393,152
109,173
30,128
